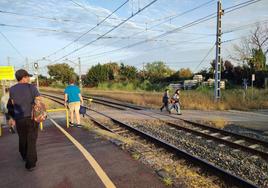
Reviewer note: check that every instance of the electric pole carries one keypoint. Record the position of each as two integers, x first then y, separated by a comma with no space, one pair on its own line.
217,89
80,73
37,74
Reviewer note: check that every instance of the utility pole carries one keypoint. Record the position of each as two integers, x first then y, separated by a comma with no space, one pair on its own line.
37,74
4,82
80,73
217,89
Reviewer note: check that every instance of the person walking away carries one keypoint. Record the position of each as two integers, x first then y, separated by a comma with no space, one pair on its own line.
22,96
176,104
165,100
73,97
4,108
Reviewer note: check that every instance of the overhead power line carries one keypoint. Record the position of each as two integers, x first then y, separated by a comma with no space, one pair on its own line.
38,28
178,43
140,10
54,19
10,43
191,24
172,17
203,60
159,36
183,13
88,30
244,27
86,9
177,15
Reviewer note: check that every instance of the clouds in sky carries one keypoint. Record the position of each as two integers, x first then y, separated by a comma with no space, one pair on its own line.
67,21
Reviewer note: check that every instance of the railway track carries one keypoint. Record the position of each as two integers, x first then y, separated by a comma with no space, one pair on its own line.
120,127
239,142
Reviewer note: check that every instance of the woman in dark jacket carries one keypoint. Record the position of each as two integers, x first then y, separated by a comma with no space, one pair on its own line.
165,100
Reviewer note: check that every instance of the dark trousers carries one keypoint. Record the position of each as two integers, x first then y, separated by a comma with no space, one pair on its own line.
28,131
165,104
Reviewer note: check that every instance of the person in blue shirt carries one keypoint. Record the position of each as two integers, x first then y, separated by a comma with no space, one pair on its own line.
73,99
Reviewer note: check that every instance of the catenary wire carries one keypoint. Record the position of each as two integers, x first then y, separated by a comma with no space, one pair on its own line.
121,23
12,45
91,29
191,24
178,15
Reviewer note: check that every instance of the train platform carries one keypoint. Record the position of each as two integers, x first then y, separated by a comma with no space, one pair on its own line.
62,162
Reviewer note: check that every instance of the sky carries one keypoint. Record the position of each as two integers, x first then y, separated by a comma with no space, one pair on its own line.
33,29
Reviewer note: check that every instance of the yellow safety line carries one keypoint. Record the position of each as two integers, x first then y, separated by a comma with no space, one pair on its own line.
100,172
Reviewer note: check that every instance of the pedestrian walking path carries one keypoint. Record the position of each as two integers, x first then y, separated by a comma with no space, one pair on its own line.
61,163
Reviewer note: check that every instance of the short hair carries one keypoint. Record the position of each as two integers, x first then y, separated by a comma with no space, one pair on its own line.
71,81
166,89
6,90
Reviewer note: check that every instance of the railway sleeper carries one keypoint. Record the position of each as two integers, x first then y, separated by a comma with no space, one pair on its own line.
205,131
239,141
254,146
214,134
236,150
226,138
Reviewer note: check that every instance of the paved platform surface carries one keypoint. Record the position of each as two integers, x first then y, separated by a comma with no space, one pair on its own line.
60,164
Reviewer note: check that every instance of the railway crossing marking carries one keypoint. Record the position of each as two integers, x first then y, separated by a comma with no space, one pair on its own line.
99,171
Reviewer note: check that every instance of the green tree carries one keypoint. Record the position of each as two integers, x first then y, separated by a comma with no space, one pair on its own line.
258,60
157,70
213,63
185,73
254,49
113,70
97,74
61,72
128,72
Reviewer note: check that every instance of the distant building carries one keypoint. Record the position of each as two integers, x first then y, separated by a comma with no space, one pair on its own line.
211,83
198,77
190,84
176,86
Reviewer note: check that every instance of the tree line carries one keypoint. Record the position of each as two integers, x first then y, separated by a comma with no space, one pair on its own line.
251,54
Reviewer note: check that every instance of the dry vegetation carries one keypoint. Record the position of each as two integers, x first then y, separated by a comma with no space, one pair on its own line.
198,100
51,104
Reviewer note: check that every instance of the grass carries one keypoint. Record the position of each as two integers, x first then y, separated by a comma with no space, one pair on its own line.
201,99
51,104
168,181
218,122
136,156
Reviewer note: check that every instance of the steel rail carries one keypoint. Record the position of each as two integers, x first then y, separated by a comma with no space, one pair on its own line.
232,144
224,174
221,131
